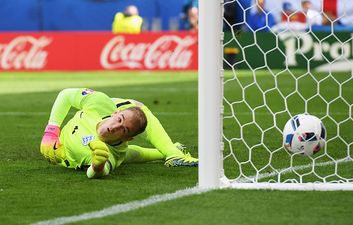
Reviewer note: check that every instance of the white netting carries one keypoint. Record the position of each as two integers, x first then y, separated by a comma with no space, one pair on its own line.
277,71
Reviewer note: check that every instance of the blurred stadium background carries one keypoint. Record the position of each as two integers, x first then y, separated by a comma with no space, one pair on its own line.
83,15
48,45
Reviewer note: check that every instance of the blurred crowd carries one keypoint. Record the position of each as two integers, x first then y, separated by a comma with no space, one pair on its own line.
292,15
277,15
190,15
129,21
258,15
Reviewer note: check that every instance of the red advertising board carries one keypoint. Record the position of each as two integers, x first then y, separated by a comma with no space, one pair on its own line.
98,51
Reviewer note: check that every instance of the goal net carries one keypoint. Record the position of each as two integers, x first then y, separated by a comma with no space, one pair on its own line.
279,61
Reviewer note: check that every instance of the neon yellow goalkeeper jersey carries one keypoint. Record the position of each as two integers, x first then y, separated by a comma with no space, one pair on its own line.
81,129
93,107
76,135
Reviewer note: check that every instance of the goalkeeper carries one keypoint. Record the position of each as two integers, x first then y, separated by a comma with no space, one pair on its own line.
97,136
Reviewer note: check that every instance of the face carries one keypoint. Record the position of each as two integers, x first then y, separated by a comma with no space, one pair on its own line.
306,6
132,10
118,127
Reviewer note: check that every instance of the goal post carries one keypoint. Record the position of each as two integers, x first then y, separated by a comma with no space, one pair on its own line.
210,93
270,77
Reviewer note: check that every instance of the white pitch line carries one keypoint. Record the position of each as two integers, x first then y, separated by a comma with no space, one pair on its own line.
120,208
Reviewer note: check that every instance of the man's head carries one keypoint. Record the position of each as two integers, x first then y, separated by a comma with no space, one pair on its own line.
306,5
122,125
131,10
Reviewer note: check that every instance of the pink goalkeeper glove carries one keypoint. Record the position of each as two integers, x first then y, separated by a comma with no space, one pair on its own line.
50,143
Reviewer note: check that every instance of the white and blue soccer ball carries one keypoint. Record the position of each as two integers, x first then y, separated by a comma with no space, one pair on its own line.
304,134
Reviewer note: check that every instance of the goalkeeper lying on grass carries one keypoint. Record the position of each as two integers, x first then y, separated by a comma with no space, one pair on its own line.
97,136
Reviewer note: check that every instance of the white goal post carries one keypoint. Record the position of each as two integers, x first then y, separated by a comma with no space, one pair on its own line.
209,93
242,110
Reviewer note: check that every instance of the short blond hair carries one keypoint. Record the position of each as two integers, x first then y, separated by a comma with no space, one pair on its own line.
140,120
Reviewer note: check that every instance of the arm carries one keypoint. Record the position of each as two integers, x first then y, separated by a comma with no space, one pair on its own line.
67,98
79,98
158,137
50,144
116,22
156,134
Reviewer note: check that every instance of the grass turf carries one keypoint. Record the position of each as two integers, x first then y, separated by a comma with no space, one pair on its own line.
32,190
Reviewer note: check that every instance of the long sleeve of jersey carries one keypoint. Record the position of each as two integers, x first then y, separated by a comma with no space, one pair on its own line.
67,98
94,105
154,132
157,136
77,98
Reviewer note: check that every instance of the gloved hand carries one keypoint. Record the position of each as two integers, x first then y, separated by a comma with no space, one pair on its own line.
50,143
99,154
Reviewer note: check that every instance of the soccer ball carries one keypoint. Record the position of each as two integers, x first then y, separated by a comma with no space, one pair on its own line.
304,134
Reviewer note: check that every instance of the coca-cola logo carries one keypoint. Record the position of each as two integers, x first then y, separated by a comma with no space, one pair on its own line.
24,52
166,52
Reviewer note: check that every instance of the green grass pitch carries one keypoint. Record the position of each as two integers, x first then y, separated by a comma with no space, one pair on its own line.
32,190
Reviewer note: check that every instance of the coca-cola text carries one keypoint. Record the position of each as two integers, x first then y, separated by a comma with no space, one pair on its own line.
166,52
24,52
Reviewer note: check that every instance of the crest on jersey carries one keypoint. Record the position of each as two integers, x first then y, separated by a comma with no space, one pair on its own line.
87,139
87,92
